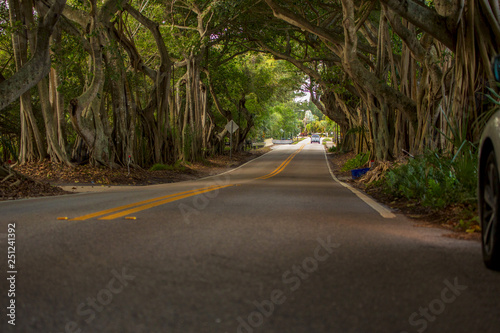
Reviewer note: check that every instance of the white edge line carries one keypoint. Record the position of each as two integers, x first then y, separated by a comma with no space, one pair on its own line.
241,166
232,170
125,186
384,212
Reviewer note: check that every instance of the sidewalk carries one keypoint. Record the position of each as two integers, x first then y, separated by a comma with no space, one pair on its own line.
93,188
329,144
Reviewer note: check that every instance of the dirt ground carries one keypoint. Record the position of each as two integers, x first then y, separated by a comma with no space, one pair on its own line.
459,218
17,187
45,178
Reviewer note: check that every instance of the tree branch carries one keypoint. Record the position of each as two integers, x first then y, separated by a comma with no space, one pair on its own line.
427,19
39,65
302,23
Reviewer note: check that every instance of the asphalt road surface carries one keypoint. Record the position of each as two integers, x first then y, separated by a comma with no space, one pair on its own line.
277,245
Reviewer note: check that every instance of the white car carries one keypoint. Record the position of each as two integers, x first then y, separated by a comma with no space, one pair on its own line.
315,138
489,186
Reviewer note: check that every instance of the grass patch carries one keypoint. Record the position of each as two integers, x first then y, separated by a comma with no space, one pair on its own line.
166,167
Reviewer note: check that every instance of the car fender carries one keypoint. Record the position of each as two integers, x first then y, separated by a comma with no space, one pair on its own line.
491,134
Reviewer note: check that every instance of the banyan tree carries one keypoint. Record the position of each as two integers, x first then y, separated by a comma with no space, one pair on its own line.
132,80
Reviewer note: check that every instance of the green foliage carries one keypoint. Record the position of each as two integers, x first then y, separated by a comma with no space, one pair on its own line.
494,97
483,118
267,86
435,180
357,162
332,149
458,131
71,60
314,127
470,223
321,126
7,148
464,165
282,122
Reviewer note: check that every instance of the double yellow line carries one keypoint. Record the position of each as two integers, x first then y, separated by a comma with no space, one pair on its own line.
117,212
147,204
282,165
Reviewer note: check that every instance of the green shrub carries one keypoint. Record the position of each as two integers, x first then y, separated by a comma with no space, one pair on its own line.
357,162
332,149
7,148
435,180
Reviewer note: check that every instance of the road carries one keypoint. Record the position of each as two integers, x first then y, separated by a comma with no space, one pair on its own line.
274,246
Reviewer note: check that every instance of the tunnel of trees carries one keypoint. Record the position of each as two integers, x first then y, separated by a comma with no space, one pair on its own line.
157,80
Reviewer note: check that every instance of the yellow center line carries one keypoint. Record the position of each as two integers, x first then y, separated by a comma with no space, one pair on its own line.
147,204
282,165
116,209
159,203
278,169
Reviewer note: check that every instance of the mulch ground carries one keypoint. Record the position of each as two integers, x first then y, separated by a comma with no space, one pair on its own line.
458,218
20,188
43,178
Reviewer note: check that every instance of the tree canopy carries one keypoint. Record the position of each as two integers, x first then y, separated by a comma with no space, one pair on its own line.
156,81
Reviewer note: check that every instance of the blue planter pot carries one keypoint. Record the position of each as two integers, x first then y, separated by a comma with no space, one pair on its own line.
356,173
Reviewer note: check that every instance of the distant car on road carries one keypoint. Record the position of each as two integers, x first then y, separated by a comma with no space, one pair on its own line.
489,186
315,138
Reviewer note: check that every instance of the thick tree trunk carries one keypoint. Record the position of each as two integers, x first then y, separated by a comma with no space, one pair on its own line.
39,65
243,132
162,131
93,135
56,97
31,143
195,104
56,152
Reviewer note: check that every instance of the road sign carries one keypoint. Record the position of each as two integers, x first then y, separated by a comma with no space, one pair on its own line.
232,127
